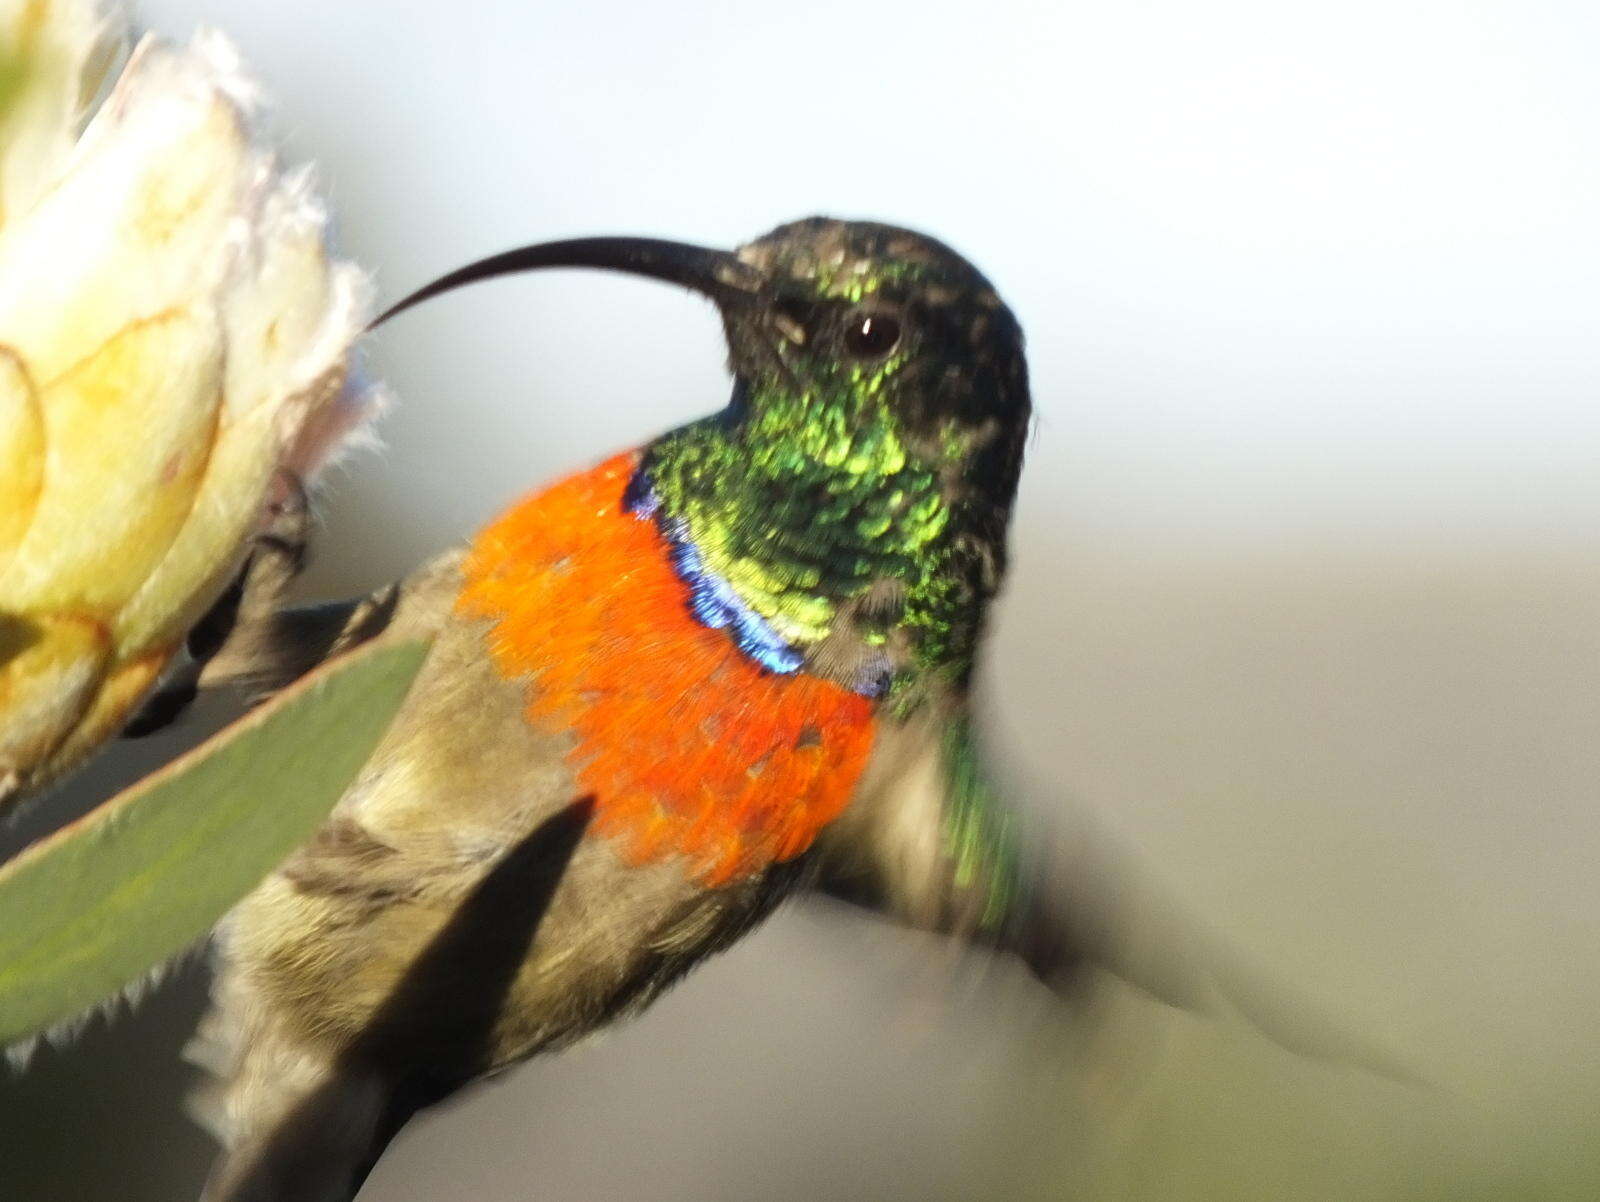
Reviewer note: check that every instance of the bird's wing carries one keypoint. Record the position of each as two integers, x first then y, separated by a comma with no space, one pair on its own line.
933,840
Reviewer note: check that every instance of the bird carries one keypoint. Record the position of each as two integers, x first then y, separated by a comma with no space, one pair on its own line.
662,694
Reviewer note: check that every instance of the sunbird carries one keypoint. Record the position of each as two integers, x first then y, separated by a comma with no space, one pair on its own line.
663,694
731,664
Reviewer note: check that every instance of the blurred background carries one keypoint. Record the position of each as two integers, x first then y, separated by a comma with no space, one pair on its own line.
1306,598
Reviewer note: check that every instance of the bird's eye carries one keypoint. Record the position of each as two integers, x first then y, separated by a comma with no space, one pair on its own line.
871,333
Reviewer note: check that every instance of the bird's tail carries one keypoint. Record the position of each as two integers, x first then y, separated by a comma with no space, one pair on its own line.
296,1124
320,1150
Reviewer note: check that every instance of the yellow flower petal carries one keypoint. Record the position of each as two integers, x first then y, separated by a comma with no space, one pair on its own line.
172,336
53,56
128,431
21,453
50,674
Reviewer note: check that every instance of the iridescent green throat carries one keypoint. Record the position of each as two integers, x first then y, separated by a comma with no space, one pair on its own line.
811,508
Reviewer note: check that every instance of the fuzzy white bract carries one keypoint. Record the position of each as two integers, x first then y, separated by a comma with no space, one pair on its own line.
173,337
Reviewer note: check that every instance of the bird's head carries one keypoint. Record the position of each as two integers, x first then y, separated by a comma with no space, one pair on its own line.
855,492
884,330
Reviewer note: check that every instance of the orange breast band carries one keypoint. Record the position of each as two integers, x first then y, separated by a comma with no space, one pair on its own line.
689,746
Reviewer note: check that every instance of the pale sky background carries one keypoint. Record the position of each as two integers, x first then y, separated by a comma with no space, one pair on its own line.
1306,599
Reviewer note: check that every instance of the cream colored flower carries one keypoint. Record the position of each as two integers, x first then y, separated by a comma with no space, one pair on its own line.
173,335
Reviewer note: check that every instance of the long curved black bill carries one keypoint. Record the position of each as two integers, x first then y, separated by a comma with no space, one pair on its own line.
713,273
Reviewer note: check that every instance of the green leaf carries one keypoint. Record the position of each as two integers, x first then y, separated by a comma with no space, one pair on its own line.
100,903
